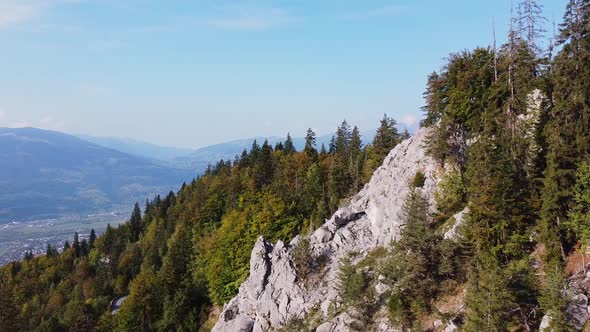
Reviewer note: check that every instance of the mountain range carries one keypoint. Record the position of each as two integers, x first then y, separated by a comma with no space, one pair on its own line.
46,174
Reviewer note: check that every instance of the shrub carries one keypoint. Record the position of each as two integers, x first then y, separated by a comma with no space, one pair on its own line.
451,194
399,309
419,179
351,283
303,258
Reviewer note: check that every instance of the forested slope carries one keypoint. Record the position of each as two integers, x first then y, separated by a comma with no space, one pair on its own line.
190,250
510,132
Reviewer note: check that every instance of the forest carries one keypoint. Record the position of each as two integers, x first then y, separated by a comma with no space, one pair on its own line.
190,250
511,121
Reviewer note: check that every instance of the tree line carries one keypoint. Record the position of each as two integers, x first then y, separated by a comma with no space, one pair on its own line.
190,250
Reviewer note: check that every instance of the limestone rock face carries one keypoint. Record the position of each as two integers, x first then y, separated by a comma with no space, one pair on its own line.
273,293
459,218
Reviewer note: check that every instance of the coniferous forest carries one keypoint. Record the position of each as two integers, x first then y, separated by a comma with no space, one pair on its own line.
190,250
512,121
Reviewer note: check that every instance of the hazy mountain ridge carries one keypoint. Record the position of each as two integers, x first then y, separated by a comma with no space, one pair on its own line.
198,159
48,174
137,147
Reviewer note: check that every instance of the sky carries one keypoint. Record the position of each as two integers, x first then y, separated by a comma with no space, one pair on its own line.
192,73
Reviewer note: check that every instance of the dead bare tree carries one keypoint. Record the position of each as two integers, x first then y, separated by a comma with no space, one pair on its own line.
530,24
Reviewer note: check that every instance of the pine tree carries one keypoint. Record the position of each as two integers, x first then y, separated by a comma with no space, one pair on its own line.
313,193
578,221
310,145
92,238
254,152
332,145
264,166
342,141
51,251
386,138
84,248
568,127
135,223
553,298
415,251
488,300
108,239
76,245
289,146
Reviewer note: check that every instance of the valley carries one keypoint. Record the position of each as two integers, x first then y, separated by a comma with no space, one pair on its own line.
19,236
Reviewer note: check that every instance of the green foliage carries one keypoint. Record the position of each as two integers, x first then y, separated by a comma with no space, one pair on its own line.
451,194
303,258
143,305
524,184
579,215
352,284
9,314
386,138
488,297
310,145
419,179
398,309
419,263
356,288
553,299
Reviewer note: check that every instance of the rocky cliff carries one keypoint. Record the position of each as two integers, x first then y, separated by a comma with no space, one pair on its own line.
274,294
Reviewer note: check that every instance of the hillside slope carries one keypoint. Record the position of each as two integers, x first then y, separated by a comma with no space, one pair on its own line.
274,294
47,173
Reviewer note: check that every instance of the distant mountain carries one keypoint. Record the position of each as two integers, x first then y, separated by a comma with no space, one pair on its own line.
199,159
46,174
138,148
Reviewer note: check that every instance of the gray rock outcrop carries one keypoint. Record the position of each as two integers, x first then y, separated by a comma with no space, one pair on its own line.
578,308
273,293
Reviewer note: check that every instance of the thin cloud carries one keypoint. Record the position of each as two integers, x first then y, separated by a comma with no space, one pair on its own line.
251,19
408,119
45,122
16,12
385,11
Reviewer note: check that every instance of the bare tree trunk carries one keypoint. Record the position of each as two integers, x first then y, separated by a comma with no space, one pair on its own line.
495,51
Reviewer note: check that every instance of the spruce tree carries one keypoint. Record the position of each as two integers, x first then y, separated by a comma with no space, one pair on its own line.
84,248
568,128
386,138
310,145
91,238
76,245
264,166
289,146
135,223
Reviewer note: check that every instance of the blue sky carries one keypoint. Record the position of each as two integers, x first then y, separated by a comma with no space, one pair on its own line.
192,73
